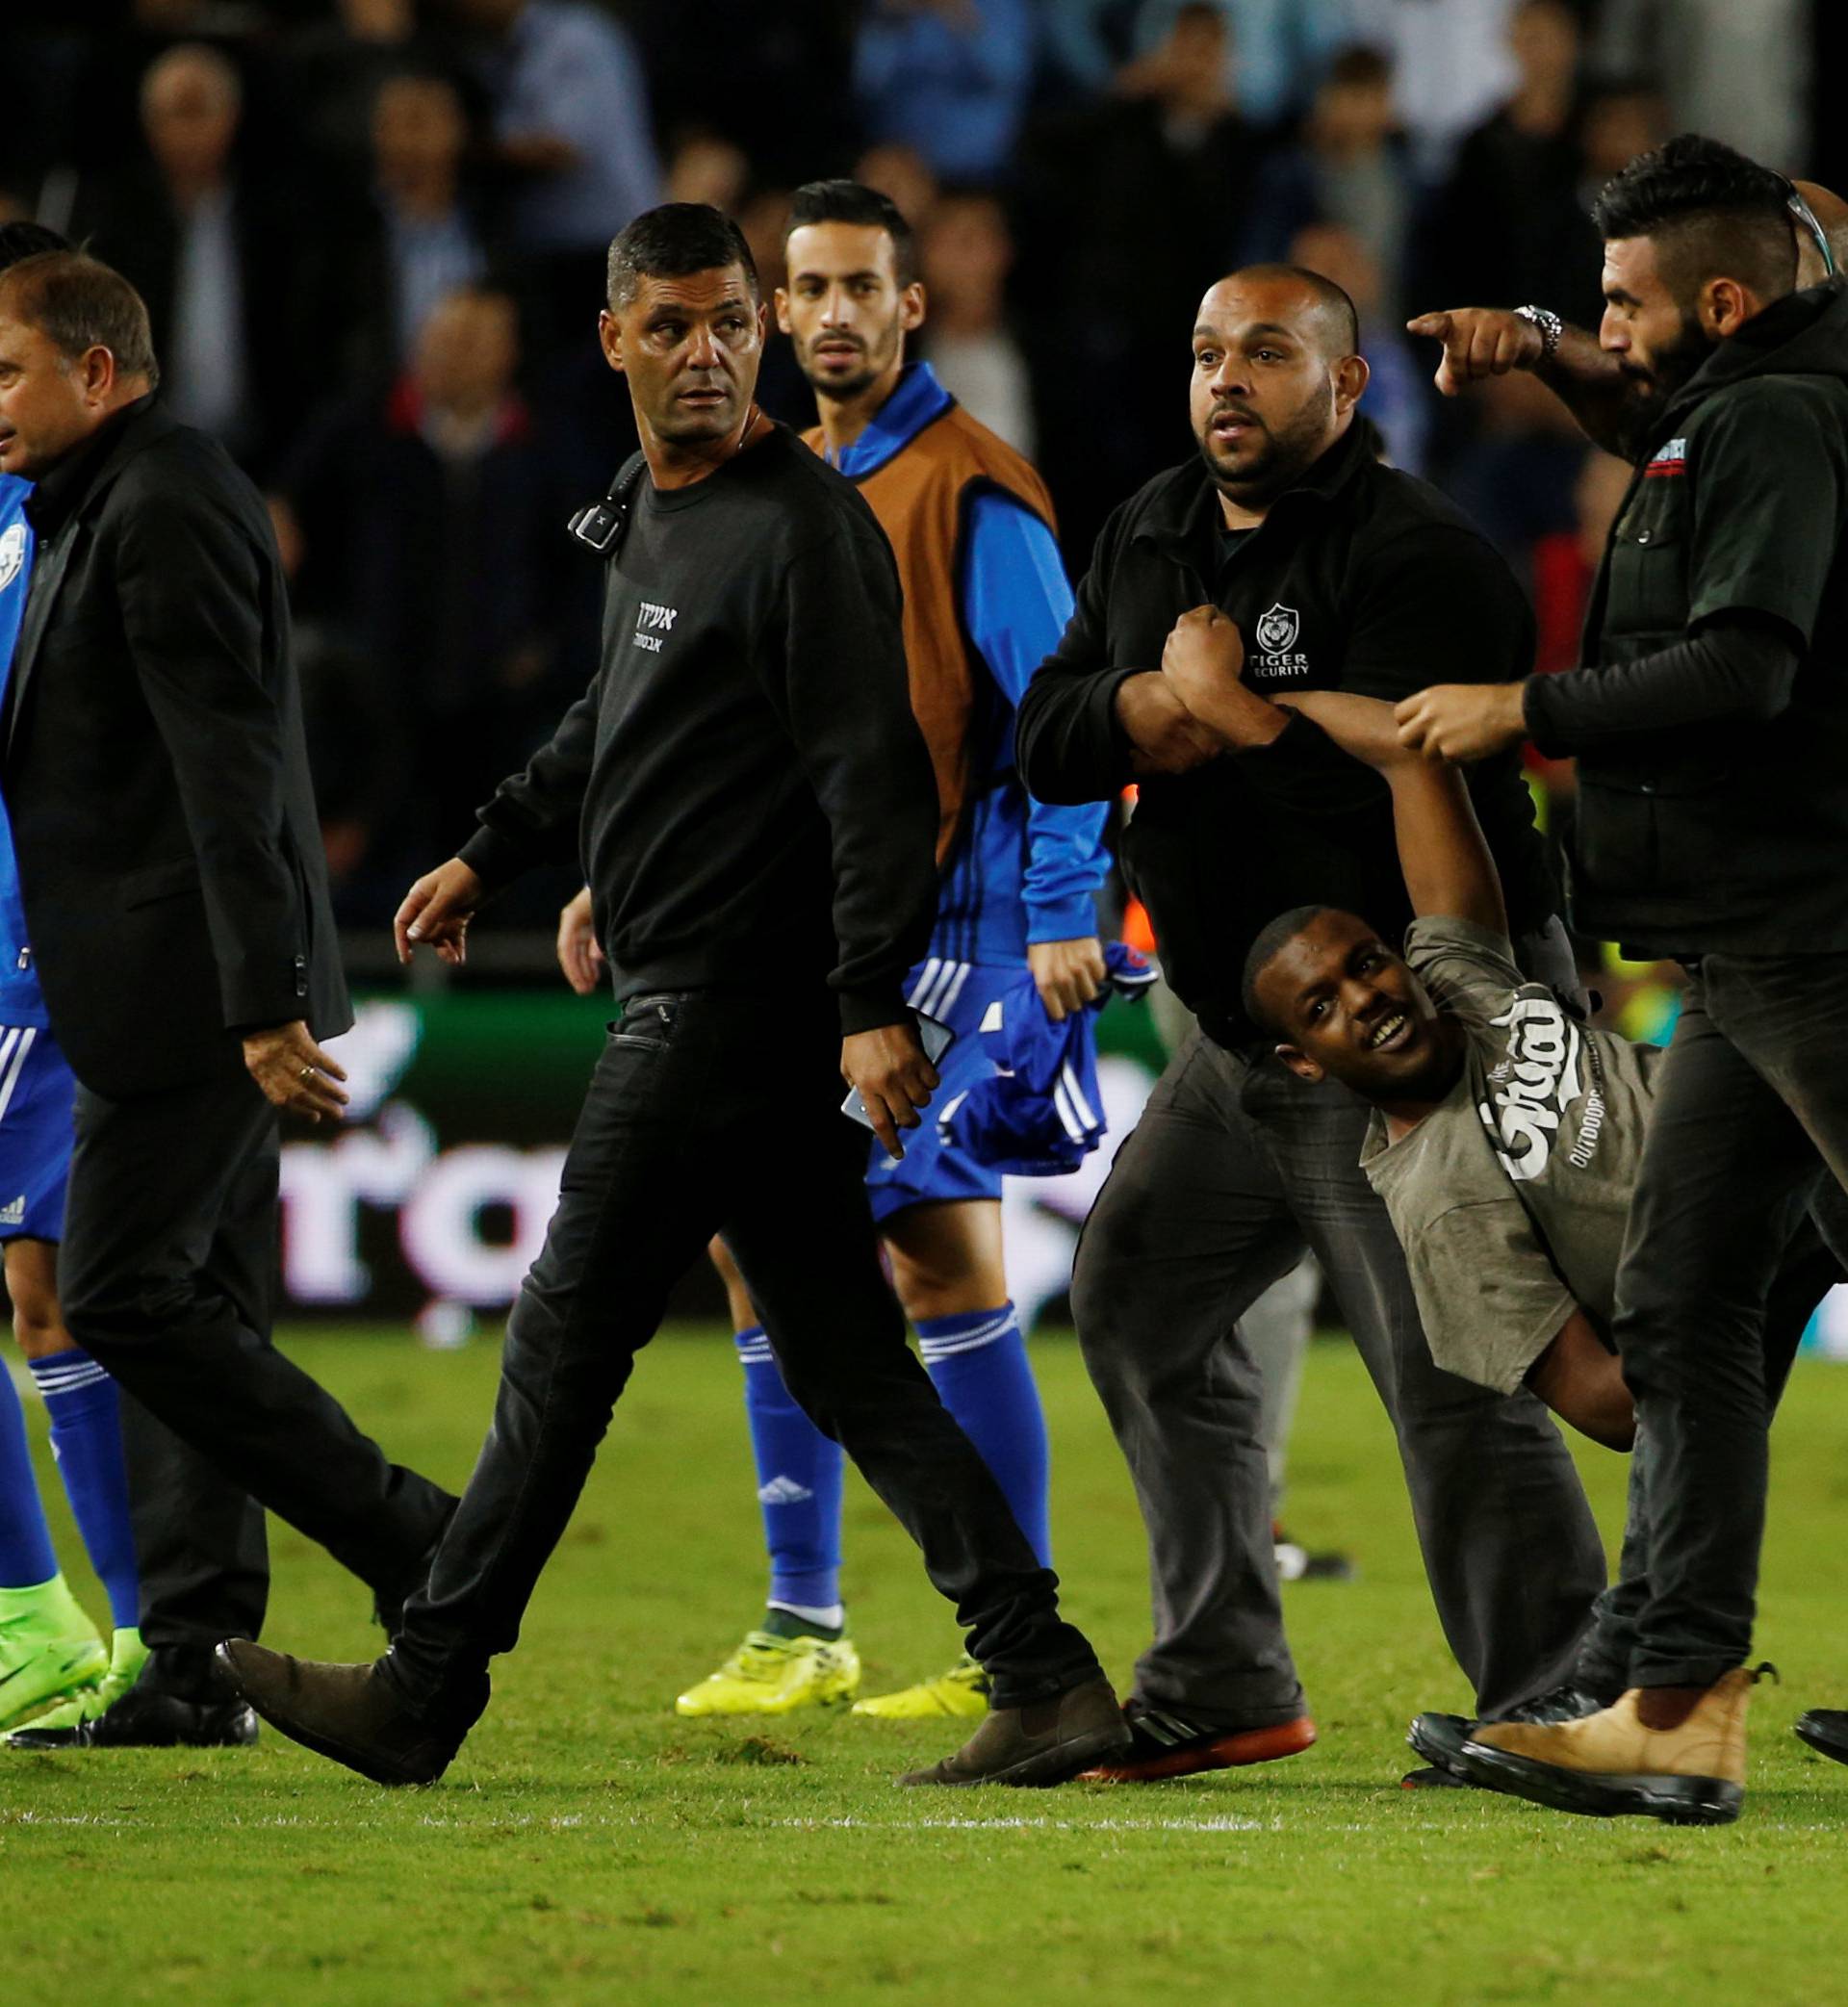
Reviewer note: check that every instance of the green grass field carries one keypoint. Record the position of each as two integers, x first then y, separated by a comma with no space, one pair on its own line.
588,1846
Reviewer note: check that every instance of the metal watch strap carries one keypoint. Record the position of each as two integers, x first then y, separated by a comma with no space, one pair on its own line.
1549,325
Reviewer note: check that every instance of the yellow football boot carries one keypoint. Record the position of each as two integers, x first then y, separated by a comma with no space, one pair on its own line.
770,1674
963,1691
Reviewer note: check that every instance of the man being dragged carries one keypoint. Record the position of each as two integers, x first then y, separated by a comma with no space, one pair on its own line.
1505,1141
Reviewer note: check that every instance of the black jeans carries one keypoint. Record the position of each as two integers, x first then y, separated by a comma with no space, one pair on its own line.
1751,1118
1811,1266
713,1111
164,1277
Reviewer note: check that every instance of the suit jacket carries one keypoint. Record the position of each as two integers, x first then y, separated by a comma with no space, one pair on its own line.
155,768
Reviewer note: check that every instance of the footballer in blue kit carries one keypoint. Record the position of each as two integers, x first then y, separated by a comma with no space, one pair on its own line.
56,1673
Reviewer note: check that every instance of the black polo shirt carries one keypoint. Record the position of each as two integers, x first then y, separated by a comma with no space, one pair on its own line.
1362,578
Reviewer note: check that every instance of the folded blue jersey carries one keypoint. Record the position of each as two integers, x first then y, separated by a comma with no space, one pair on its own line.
1040,1115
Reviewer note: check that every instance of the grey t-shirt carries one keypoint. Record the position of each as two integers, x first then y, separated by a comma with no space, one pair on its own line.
1511,1197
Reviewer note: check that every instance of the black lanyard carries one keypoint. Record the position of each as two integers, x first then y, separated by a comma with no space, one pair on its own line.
602,524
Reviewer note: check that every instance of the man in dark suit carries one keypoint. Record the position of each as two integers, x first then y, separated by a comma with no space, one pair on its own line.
152,758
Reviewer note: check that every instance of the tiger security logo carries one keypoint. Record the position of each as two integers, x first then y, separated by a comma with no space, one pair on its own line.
1277,630
1275,634
12,553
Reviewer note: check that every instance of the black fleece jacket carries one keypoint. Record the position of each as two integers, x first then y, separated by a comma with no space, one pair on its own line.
1360,578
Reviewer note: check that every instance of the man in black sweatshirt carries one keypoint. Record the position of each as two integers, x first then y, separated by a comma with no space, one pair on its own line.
1710,724
752,807
1284,558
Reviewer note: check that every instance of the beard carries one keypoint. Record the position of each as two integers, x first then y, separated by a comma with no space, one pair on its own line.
1673,367
874,358
1284,453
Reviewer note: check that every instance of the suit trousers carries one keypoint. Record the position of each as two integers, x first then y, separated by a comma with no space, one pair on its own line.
1751,1122
165,1277
713,1111
1234,1170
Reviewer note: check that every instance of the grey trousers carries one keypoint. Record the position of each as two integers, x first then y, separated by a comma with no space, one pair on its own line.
1234,1170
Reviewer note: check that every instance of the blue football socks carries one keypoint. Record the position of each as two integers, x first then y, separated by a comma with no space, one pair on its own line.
977,1361
799,1474
26,1559
86,1440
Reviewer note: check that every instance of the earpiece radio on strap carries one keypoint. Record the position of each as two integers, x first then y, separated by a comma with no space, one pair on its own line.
601,524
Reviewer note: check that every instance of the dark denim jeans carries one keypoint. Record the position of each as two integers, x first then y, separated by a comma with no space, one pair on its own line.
709,1112
1751,1118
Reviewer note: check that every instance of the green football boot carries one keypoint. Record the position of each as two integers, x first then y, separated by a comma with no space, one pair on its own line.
59,1728
49,1648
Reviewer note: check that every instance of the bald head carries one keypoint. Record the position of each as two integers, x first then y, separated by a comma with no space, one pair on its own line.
1317,309
1276,376
1831,212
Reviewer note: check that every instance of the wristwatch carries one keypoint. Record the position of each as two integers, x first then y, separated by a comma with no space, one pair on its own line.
1551,328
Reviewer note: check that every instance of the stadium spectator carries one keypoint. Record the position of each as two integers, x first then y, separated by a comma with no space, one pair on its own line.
1450,66
216,255
1742,74
1511,224
334,68
949,78
1397,397
1231,1172
1350,169
572,128
1129,208
1273,50
432,515
965,252
164,821
425,240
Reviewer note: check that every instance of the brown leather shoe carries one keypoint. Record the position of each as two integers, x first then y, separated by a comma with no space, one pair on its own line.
1610,1764
349,1712
1045,1742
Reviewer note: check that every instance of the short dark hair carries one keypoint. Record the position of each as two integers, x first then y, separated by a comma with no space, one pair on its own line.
673,242
1711,212
854,202
1359,68
19,241
1273,937
77,303
1333,300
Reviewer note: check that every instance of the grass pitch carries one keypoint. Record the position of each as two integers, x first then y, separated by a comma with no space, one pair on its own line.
589,1847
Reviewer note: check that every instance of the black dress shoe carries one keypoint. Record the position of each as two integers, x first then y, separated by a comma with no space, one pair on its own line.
1826,1731
146,1719
1439,1738
351,1714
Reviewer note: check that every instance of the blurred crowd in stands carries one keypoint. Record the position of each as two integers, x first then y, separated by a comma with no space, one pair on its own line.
370,234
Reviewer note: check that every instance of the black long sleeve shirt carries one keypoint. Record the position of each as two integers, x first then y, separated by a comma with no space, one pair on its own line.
744,784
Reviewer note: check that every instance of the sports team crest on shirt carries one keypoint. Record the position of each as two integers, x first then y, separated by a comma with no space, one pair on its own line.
12,553
1277,629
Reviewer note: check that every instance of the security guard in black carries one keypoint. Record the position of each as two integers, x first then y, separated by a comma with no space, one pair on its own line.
1360,578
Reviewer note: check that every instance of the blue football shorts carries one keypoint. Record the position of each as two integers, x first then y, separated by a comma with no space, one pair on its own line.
956,994
37,1095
